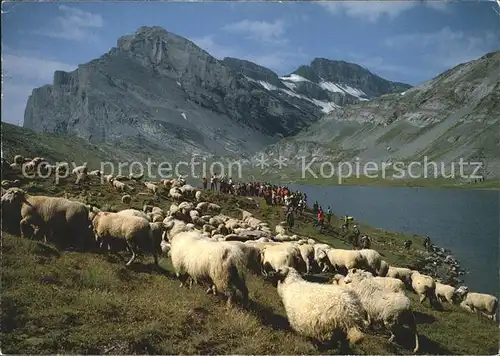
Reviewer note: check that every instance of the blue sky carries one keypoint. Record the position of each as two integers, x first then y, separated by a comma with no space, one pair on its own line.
403,41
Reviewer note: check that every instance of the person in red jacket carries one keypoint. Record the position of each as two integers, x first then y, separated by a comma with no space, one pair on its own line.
321,218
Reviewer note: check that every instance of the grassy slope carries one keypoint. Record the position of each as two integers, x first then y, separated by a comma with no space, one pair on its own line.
70,302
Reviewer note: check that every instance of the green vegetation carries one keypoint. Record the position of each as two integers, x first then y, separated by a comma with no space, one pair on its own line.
71,302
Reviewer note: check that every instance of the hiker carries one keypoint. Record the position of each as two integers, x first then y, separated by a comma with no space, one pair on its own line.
212,182
321,218
315,207
345,226
204,182
355,236
328,215
427,242
290,219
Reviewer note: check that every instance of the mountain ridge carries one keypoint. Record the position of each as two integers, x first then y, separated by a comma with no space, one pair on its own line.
159,88
454,115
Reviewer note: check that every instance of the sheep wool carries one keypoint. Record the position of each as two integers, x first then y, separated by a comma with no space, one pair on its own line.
320,311
221,264
485,303
393,309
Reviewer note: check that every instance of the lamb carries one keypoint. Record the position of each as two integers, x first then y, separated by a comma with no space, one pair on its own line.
401,273
424,286
126,199
445,293
134,230
57,218
134,212
221,264
393,309
320,311
276,256
197,195
339,258
480,302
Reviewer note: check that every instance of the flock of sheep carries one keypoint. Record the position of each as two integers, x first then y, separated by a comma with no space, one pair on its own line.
217,251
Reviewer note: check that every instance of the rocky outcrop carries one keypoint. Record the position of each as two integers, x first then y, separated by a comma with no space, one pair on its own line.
159,88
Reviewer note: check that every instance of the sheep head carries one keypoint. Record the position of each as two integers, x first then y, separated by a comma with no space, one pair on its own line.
14,196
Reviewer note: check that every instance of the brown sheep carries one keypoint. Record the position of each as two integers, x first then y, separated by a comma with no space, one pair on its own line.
59,218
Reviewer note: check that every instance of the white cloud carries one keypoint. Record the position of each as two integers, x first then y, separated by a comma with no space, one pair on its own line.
447,48
365,10
73,24
270,32
373,10
22,73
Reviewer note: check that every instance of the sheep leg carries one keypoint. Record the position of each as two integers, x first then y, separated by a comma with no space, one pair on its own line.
26,228
134,254
183,278
422,298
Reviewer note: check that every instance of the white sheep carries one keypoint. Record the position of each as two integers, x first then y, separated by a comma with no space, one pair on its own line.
280,230
175,193
134,212
282,255
393,309
401,273
119,186
188,190
480,302
424,286
197,195
320,311
445,293
221,264
388,283
307,253
214,208
79,170
317,249
152,187
339,258
373,262
134,230
95,173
